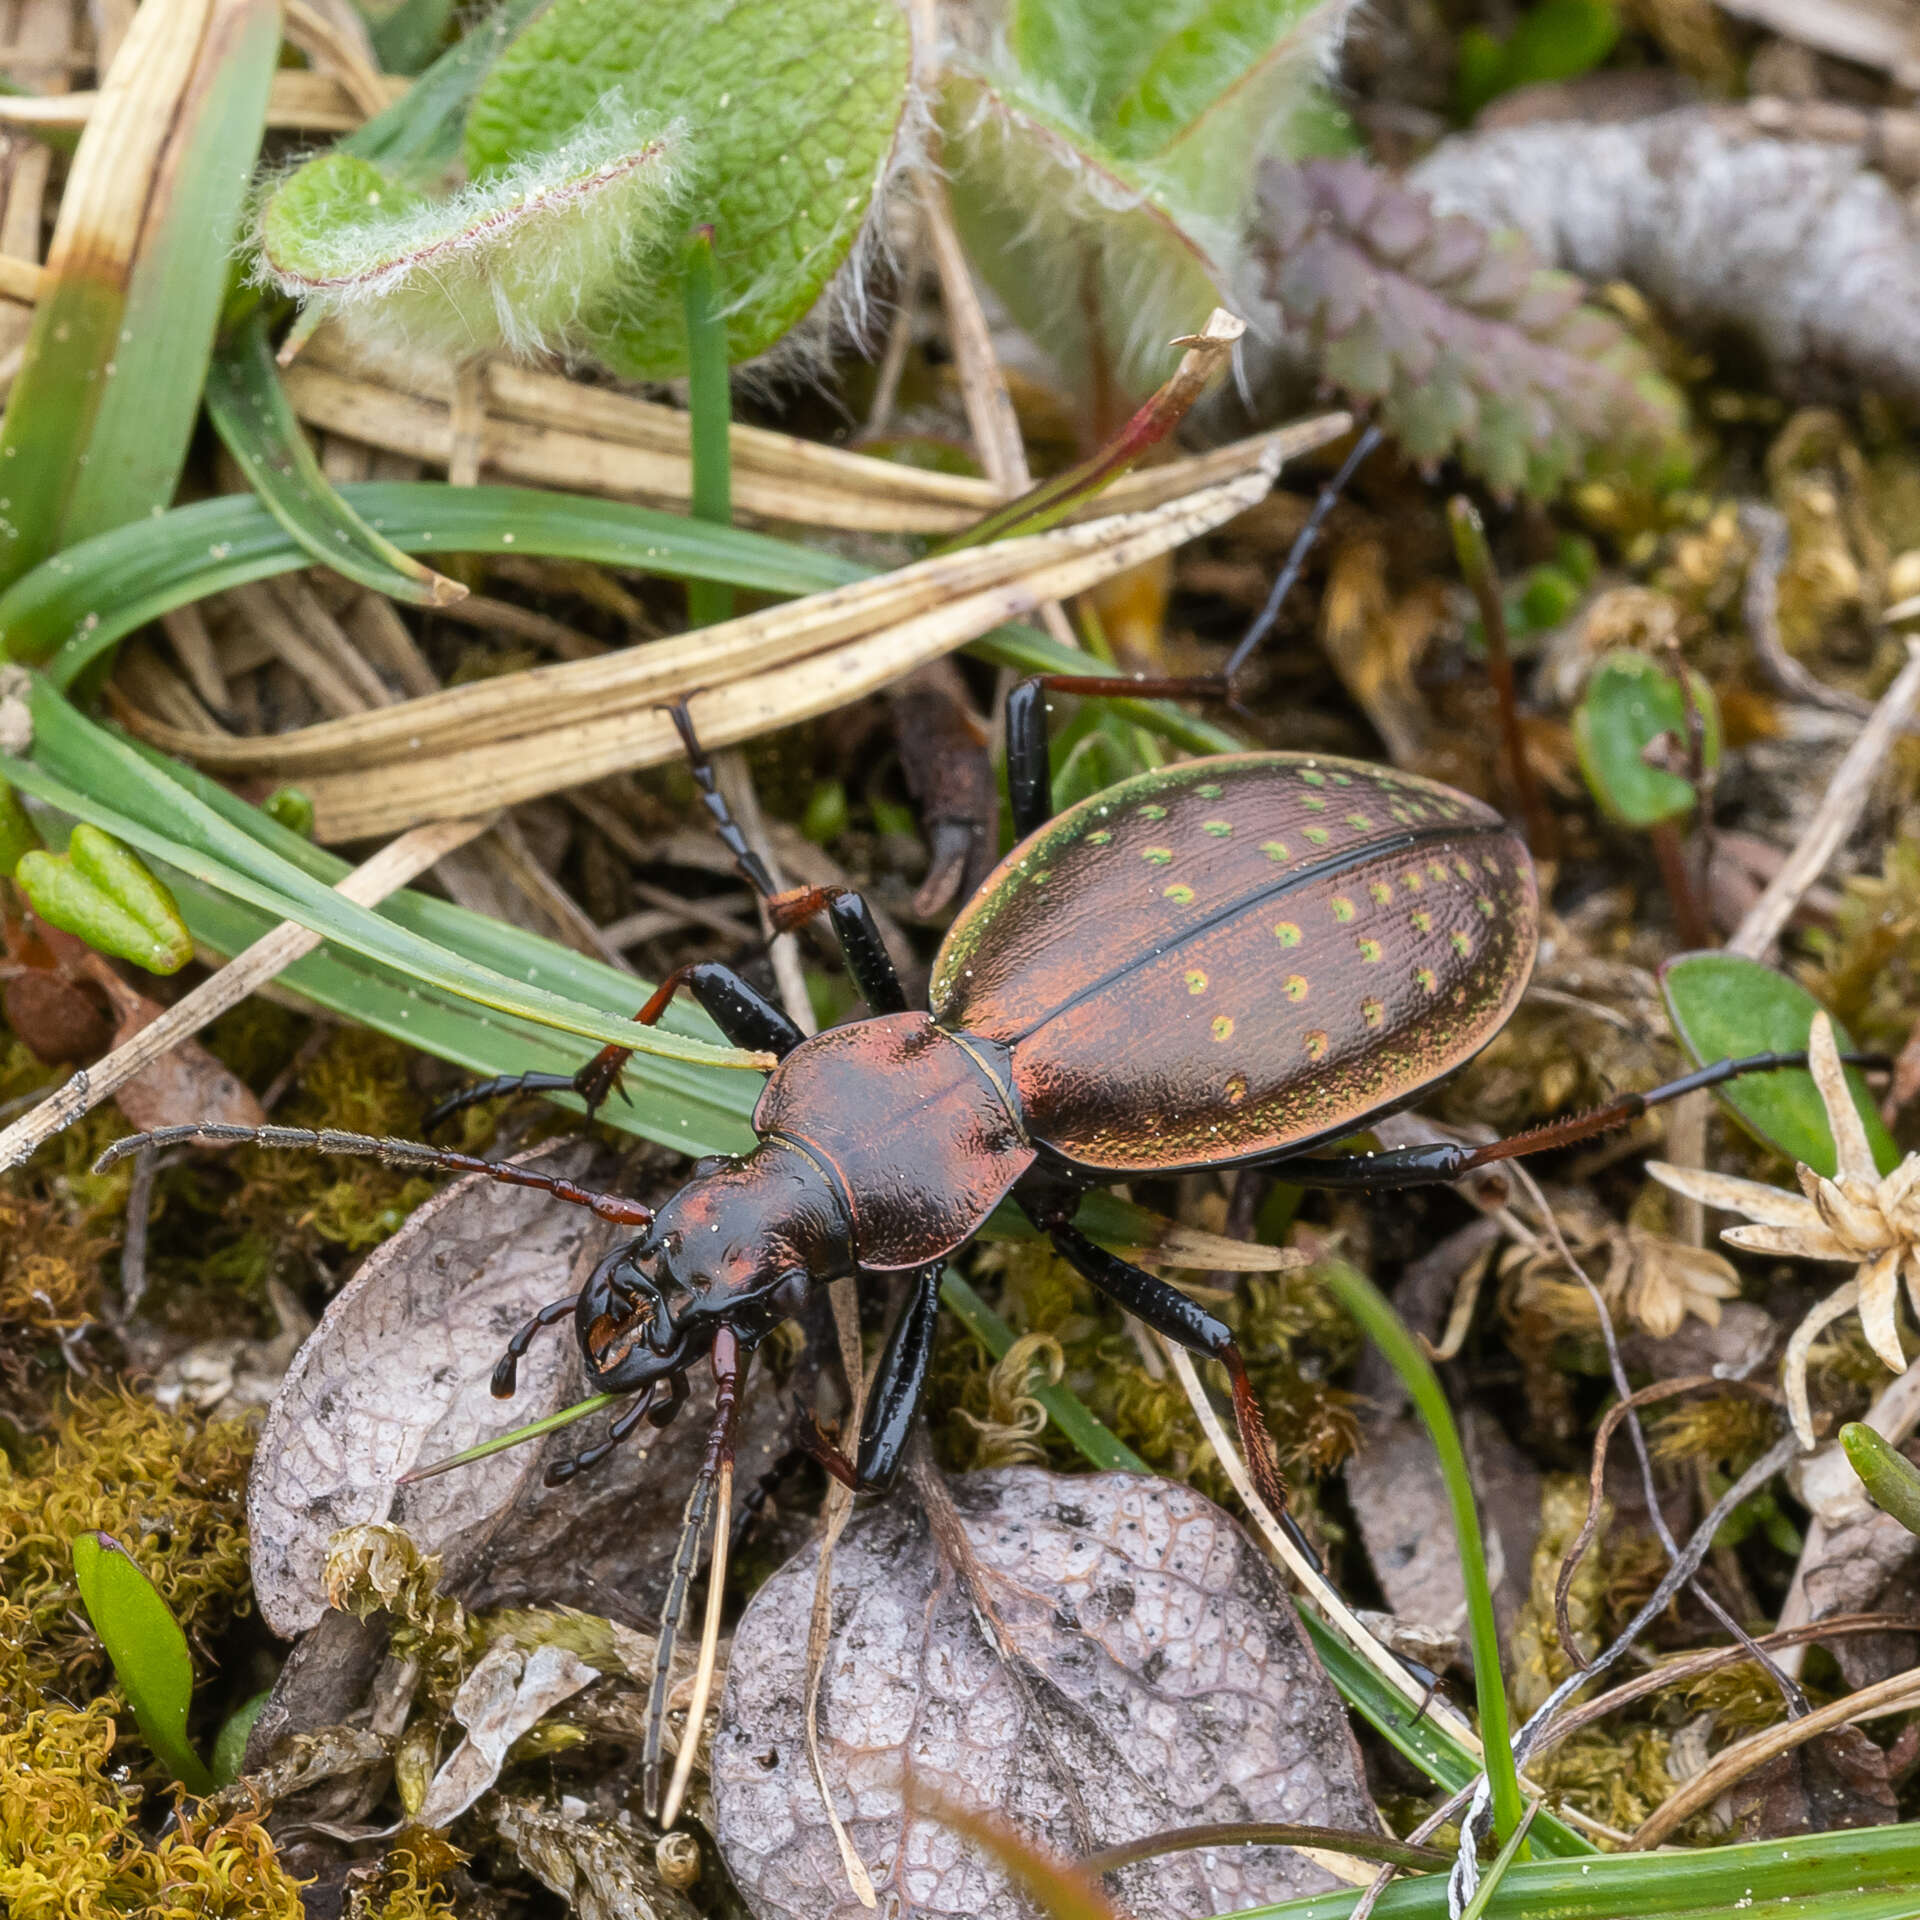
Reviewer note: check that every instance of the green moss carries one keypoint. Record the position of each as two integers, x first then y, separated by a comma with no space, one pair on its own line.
69,1849
169,1488
1867,969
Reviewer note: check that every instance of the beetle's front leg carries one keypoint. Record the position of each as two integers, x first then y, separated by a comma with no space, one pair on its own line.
899,1383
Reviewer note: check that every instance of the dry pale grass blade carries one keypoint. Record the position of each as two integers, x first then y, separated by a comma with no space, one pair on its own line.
339,52
299,103
389,870
546,430
522,735
709,1651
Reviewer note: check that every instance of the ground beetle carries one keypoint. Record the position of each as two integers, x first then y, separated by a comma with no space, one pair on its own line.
1234,961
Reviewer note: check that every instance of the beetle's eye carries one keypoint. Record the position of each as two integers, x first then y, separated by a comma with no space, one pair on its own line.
712,1163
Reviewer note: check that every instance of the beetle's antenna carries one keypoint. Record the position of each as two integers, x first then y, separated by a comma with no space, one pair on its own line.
1297,556
405,1153
715,1479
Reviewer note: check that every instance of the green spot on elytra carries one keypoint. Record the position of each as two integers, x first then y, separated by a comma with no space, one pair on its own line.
1486,907
1179,893
1314,804
1151,812
1370,950
1422,921
1236,1088
1317,1044
1219,829
1382,891
1313,778
1275,850
1436,871
1412,881
1490,863
1319,836
1461,943
1042,875
1211,791
1358,820
1463,870
1425,977
1222,1027
1343,908
1287,933
1196,980
1296,988
1099,837
1372,1012
1343,780
1157,856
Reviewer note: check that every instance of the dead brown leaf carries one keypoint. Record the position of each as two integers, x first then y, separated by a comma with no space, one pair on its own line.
1162,1680
1837,1780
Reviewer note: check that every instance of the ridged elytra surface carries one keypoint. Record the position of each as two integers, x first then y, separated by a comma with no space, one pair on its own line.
1236,956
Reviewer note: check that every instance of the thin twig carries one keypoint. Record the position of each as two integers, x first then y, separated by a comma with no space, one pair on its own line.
1766,527
390,869
1841,807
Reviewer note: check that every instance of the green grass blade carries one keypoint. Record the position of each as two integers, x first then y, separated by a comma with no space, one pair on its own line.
76,606
178,828
1864,1874
98,422
710,410
1371,1308
518,1436
147,1648
254,418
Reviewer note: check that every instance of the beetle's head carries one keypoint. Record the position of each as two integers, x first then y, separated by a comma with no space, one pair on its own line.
739,1245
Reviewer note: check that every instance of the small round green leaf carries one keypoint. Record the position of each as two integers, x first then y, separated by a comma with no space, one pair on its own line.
790,111
1886,1473
1632,705
102,892
147,1648
1724,1007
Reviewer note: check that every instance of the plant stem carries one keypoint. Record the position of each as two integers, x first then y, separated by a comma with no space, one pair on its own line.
710,404
1384,1327
1676,871
1476,564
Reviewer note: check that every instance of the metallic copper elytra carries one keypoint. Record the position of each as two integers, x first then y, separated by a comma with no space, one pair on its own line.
1114,995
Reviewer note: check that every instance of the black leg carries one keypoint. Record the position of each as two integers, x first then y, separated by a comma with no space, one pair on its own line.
623,1423
1445,1161
853,924
1169,1311
1029,781
506,1373
899,1382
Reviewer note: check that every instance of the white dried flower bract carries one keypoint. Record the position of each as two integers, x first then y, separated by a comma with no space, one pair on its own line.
1861,1217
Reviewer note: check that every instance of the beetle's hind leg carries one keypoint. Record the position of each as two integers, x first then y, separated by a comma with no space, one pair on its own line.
1170,1312
1029,776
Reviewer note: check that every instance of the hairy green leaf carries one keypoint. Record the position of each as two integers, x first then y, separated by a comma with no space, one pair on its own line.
523,259
792,110
1724,1007
1102,159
